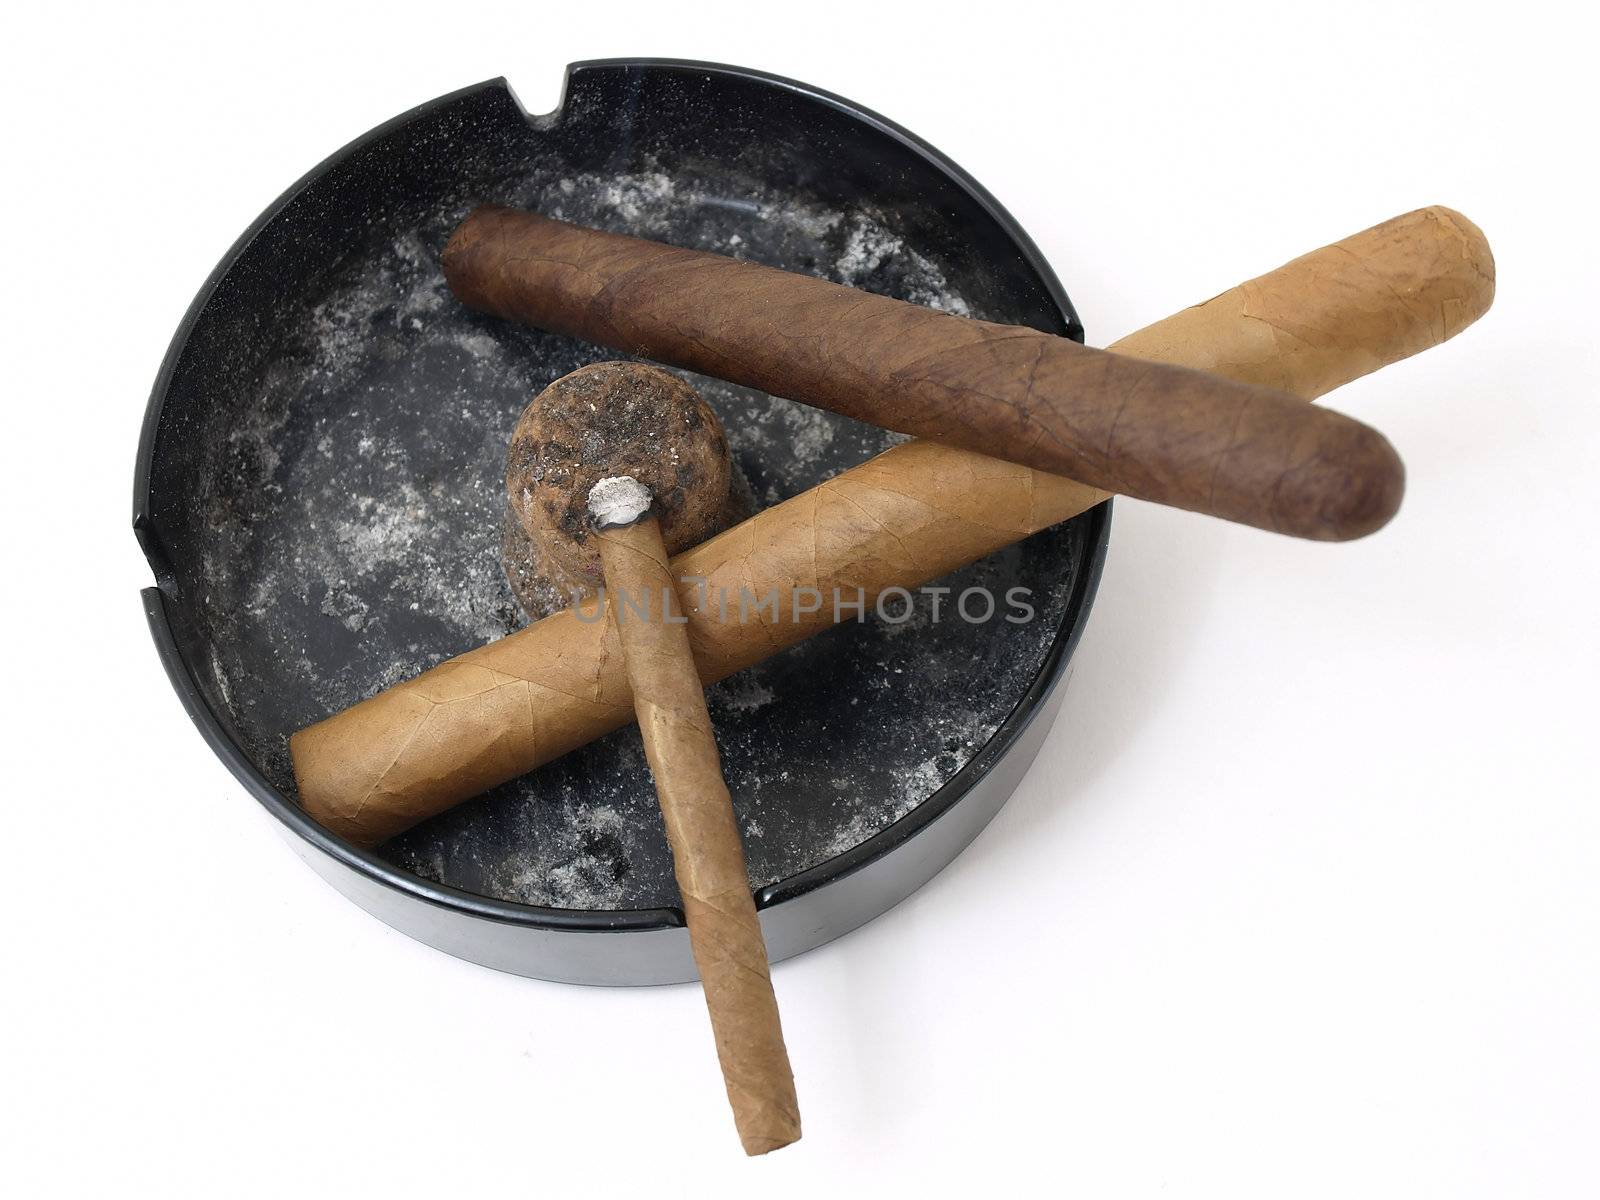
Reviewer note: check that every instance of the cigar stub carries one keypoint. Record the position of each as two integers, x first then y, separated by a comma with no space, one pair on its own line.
1137,427
707,854
902,519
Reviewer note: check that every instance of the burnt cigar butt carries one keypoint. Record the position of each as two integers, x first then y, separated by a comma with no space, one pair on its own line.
610,418
1136,427
707,854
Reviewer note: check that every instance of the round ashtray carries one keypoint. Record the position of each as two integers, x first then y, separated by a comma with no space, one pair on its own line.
319,492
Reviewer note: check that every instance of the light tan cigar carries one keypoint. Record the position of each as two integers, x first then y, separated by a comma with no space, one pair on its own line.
707,856
908,516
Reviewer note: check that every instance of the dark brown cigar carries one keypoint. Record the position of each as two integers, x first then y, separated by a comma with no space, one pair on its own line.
1139,428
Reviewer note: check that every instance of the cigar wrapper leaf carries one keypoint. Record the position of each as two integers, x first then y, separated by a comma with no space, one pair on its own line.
1138,427
906,517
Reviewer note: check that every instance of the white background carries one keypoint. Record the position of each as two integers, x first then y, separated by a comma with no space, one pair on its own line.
1301,897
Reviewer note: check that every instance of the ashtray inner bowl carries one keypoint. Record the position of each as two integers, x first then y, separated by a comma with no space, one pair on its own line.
326,487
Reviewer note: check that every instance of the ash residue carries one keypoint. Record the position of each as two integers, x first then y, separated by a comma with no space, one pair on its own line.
352,497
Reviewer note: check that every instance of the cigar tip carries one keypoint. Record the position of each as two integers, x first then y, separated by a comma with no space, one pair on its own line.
1473,240
1361,490
456,258
323,776
756,1145
1465,281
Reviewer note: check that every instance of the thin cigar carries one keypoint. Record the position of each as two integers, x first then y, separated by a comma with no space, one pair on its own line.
707,855
1139,428
904,518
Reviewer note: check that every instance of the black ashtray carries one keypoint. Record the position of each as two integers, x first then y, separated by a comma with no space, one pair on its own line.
319,493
